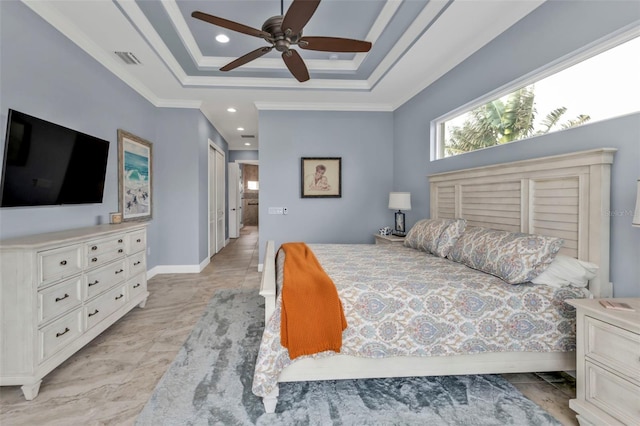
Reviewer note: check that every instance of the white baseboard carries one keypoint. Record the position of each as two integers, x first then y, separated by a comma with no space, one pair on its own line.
204,263
173,269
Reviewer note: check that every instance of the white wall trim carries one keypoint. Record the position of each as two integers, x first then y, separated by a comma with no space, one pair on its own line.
173,269
204,263
303,106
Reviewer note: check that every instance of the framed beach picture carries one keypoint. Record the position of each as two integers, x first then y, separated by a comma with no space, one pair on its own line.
135,178
321,177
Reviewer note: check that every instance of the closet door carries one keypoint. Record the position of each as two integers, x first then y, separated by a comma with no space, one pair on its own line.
220,204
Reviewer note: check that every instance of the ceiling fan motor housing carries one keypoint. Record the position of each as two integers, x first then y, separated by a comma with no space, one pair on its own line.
280,40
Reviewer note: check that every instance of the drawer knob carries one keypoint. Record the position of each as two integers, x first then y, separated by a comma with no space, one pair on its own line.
62,298
66,330
120,270
119,297
93,283
120,241
94,248
95,259
64,262
137,263
138,240
120,251
93,313
137,285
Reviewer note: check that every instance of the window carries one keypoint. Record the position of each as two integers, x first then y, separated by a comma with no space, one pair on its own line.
252,184
603,86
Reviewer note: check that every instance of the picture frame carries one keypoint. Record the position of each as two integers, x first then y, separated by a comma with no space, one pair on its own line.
115,218
321,177
135,177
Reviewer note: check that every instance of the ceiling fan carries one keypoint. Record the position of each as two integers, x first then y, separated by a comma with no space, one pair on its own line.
283,32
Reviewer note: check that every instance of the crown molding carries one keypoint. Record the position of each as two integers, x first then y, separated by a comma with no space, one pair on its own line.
277,83
304,106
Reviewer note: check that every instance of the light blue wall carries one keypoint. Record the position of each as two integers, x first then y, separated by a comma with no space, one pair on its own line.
181,185
362,139
553,30
44,74
243,155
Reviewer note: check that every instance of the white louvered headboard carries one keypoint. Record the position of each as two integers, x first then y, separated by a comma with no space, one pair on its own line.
564,196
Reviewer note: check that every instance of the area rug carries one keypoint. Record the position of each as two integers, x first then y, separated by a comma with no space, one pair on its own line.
209,383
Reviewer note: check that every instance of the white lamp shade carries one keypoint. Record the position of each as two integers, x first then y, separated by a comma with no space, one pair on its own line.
636,215
400,200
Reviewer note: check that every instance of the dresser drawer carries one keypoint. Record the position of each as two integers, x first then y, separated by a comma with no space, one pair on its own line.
95,260
612,394
59,333
59,263
136,241
105,245
58,299
104,278
613,347
136,264
137,285
104,305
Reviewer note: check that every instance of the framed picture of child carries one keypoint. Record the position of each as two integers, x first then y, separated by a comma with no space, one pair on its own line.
321,177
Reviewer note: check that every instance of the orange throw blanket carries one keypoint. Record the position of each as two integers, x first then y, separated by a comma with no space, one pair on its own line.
312,318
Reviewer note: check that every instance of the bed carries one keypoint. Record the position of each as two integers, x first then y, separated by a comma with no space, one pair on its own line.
564,196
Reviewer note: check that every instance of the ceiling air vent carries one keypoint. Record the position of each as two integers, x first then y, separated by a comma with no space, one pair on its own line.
248,136
128,58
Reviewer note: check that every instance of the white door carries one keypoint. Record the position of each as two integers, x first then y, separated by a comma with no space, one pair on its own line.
234,200
240,196
212,202
221,186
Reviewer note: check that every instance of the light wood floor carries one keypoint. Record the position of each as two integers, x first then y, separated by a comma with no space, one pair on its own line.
110,379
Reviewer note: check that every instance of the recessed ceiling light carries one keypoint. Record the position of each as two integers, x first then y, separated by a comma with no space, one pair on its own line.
221,38
247,144
231,109
240,129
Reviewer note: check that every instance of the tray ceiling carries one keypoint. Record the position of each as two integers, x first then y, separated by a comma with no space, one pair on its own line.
414,43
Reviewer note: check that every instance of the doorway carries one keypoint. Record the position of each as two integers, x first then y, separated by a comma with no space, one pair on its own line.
250,194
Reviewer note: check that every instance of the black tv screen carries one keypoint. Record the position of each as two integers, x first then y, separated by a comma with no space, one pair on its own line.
47,164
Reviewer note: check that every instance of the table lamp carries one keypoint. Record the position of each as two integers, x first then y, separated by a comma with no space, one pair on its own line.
399,201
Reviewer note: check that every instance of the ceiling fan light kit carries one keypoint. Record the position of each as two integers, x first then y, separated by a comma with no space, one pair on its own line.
283,32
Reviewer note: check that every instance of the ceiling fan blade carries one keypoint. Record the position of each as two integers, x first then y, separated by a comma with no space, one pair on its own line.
246,58
296,65
298,15
230,25
334,44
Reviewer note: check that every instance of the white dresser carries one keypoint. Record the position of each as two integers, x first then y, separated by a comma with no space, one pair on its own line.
60,290
608,364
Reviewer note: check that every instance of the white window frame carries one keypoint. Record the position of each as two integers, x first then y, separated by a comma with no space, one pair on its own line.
601,45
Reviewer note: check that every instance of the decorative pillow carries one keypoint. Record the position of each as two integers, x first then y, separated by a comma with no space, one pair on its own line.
425,234
567,271
449,237
514,257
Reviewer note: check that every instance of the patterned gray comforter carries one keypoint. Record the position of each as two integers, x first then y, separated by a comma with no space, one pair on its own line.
400,301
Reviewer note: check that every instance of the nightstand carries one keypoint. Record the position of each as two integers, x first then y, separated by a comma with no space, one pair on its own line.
388,239
608,363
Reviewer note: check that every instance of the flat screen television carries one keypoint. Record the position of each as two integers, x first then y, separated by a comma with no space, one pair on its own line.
46,164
